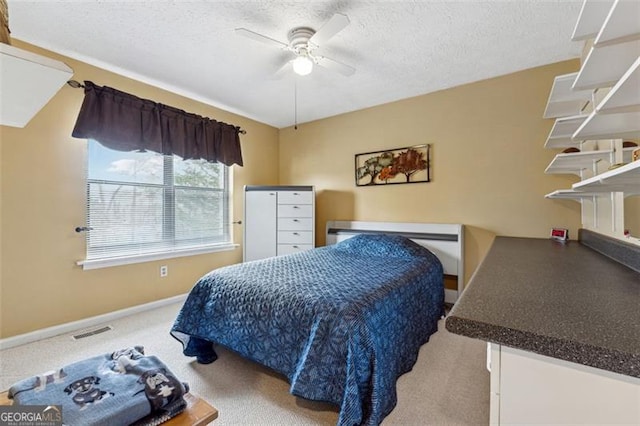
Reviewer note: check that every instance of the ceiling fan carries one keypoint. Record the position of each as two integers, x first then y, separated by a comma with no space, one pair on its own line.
303,41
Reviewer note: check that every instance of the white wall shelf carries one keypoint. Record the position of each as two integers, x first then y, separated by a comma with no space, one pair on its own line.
562,132
569,194
27,82
575,163
625,95
622,23
610,69
609,126
591,18
622,179
563,101
604,66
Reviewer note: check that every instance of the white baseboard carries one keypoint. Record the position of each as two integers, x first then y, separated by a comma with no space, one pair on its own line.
57,330
450,296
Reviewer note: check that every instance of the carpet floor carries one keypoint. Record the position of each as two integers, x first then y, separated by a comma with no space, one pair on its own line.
449,385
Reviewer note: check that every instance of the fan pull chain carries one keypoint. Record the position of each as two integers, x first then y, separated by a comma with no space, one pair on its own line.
295,103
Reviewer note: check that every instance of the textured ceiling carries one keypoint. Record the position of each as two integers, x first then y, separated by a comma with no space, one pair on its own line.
400,49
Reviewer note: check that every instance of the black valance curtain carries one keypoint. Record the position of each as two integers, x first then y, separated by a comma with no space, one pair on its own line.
125,122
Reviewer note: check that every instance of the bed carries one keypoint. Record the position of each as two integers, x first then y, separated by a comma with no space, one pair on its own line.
341,322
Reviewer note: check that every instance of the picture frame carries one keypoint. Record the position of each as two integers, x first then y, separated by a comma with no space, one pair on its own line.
410,164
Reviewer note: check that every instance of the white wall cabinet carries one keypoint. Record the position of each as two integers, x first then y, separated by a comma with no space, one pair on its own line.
527,388
278,220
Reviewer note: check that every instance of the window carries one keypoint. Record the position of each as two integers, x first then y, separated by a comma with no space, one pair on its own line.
141,203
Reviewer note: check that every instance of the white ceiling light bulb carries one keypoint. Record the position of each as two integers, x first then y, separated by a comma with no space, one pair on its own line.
302,65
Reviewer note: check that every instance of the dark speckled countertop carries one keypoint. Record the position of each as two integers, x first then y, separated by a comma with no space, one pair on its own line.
565,301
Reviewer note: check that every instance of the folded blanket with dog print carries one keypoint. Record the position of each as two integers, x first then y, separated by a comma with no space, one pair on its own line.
117,388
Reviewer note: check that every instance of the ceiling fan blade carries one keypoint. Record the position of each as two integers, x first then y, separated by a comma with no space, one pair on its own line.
261,38
282,71
336,66
329,29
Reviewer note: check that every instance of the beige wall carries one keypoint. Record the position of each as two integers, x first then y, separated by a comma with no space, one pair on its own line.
43,200
488,161
487,172
632,215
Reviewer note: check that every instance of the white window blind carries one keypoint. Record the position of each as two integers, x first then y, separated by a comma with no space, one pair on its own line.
145,203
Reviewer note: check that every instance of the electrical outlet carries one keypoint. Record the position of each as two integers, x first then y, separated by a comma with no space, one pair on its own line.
164,271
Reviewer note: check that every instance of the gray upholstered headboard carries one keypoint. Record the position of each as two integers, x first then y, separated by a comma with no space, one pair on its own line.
445,240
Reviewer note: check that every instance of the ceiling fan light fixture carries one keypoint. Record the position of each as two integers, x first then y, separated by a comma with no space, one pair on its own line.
302,65
303,41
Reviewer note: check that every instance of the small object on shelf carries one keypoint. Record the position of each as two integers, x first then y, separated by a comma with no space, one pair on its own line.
628,144
635,155
560,234
615,166
569,150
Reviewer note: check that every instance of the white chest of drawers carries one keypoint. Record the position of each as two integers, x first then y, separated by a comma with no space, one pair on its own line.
278,220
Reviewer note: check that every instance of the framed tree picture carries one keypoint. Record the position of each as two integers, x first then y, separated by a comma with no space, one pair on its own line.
400,165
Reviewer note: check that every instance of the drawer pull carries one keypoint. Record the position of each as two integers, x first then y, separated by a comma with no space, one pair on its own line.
295,247
295,233
296,220
296,207
295,193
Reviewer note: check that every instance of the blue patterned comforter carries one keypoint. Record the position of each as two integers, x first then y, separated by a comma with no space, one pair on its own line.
341,322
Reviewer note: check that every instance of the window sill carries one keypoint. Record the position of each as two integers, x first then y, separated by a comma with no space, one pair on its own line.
139,258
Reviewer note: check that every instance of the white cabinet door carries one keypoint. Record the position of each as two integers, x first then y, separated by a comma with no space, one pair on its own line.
536,389
260,233
493,365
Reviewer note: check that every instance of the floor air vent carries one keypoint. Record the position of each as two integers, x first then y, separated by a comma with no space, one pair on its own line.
92,332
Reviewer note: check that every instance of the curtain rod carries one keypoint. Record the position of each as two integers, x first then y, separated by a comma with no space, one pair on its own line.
77,85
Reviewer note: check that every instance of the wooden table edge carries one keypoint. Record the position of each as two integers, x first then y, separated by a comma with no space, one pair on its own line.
198,412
